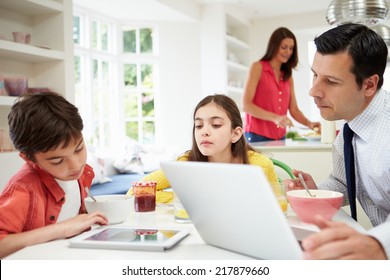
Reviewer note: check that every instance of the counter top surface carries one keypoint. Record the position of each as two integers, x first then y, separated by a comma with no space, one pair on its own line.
289,144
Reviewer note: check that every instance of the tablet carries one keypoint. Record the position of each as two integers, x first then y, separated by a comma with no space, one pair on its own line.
128,238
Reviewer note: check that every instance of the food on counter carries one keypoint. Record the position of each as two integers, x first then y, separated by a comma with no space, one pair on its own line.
312,134
295,136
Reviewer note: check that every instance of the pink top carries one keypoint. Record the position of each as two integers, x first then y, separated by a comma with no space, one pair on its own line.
271,95
32,199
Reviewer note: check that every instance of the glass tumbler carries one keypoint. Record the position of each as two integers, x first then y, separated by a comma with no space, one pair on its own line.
144,196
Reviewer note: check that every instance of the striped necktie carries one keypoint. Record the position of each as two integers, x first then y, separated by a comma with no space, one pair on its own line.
350,168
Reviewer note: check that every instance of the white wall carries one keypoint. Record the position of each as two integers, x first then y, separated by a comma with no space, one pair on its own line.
180,69
180,82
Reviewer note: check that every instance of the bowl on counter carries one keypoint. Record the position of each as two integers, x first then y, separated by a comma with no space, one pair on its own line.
116,207
324,202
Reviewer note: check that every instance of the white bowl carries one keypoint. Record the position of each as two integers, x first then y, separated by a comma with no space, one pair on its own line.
117,207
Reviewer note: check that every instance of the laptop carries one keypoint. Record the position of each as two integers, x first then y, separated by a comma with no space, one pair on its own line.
232,206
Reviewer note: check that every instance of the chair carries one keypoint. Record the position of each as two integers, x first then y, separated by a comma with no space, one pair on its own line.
284,167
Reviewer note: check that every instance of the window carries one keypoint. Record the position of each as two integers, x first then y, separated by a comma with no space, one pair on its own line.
115,86
139,83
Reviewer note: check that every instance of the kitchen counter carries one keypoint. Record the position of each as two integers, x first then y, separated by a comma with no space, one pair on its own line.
310,156
291,145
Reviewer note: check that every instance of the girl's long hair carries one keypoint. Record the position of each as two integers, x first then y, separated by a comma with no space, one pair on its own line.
240,148
273,47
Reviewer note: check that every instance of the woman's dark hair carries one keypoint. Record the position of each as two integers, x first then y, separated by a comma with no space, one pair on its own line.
366,47
240,148
273,47
41,122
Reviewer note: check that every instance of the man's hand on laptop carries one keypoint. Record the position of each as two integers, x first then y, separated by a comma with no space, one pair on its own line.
338,241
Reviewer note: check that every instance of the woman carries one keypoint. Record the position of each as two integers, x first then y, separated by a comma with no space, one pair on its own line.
217,137
269,91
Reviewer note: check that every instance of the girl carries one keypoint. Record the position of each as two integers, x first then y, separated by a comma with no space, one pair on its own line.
217,137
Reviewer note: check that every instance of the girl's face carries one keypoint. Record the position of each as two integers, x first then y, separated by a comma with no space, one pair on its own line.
214,134
64,164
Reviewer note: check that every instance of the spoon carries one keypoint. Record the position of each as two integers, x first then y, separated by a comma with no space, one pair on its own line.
304,184
89,194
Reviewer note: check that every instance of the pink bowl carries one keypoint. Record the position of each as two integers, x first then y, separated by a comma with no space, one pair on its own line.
325,203
15,86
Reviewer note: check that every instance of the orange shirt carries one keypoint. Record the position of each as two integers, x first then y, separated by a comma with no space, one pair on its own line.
272,96
33,199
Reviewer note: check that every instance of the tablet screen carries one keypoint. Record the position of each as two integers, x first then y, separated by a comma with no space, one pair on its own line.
133,235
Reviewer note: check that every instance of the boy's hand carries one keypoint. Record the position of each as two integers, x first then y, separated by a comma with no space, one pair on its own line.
82,222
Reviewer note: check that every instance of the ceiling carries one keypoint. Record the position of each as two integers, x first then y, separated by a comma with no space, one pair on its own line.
271,8
162,9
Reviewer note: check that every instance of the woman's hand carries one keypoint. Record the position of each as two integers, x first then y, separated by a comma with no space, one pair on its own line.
283,121
316,126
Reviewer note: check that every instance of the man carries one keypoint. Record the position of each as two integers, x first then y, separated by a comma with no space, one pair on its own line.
348,72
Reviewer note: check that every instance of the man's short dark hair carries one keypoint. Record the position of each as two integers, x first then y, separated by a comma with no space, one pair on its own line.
366,47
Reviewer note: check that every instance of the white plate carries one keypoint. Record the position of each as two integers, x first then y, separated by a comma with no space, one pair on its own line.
313,138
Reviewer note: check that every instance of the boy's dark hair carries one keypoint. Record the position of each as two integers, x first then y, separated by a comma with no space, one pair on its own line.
41,122
366,47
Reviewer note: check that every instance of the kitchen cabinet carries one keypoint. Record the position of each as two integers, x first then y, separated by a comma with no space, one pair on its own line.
312,157
47,61
225,51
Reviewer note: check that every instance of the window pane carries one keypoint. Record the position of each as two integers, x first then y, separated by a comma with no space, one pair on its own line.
104,37
76,30
77,69
95,135
95,103
95,70
147,75
146,40
130,77
132,130
148,132
105,73
129,41
148,104
131,105
94,34
77,79
107,136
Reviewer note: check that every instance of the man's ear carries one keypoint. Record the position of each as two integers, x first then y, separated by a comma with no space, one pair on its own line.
237,133
370,85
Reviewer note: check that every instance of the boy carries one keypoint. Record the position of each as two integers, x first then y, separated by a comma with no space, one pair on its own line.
45,199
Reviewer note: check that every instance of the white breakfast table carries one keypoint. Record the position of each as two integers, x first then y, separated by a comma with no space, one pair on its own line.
190,248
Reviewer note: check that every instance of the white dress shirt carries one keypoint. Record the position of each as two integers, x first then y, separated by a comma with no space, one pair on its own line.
371,145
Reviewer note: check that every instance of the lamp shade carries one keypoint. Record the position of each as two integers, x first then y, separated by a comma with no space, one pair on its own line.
368,12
